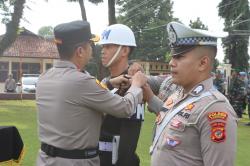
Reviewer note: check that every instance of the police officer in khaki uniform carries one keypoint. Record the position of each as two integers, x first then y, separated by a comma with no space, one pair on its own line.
71,103
199,126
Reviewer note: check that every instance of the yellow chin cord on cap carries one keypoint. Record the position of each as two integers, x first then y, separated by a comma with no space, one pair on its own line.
114,57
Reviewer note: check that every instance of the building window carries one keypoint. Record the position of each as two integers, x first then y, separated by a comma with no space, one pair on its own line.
161,67
27,68
156,67
48,66
31,68
150,67
15,70
4,71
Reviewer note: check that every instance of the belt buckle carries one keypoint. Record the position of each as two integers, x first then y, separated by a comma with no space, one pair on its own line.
90,152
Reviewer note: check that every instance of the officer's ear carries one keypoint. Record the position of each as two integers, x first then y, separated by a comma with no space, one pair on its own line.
204,63
205,58
79,51
125,50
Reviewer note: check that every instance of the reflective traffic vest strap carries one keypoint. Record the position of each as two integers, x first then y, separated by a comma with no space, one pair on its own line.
172,114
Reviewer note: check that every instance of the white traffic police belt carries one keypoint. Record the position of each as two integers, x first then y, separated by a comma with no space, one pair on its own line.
114,145
111,147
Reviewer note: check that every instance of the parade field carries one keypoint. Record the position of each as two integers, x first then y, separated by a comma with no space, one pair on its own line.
22,114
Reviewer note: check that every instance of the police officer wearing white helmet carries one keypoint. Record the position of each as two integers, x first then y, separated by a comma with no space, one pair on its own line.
118,42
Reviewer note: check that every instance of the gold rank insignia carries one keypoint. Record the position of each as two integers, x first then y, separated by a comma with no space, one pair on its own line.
189,107
169,103
104,86
160,117
217,115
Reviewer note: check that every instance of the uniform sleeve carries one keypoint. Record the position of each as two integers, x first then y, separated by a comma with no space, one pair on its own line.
155,105
96,97
218,135
155,83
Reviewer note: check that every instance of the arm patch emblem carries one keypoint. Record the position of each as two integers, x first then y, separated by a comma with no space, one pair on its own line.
218,132
217,115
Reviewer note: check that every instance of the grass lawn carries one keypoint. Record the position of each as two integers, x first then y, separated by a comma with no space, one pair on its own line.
22,114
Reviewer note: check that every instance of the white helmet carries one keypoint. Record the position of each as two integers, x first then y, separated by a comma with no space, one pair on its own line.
118,34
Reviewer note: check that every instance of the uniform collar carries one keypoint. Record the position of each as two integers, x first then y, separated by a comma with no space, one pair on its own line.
197,90
124,72
64,64
201,87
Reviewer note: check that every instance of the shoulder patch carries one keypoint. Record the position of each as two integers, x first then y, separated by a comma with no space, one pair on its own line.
218,95
218,132
101,84
217,115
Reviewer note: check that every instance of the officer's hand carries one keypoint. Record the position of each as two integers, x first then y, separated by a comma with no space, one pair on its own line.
135,67
120,81
147,93
139,79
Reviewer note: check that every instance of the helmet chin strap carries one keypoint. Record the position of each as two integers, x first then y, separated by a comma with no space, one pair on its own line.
114,57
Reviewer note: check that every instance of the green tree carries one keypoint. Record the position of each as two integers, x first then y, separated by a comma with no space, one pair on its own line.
82,6
197,24
46,31
12,12
111,10
237,17
148,20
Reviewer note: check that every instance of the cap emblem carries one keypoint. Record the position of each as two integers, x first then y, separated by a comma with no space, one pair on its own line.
105,34
172,36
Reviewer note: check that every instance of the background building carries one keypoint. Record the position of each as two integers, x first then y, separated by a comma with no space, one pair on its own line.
154,67
29,54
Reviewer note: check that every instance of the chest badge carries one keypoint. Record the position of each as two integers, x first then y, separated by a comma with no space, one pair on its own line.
176,123
172,142
198,90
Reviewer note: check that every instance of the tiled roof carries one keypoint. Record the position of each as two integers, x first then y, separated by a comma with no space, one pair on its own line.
29,45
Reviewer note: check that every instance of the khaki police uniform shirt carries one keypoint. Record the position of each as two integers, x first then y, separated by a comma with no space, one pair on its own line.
202,134
70,110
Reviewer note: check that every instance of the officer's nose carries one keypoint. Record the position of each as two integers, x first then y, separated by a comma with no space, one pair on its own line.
172,62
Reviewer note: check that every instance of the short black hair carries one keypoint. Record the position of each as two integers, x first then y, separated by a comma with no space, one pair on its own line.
66,52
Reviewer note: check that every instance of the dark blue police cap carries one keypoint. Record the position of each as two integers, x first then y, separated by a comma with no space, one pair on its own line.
183,39
73,33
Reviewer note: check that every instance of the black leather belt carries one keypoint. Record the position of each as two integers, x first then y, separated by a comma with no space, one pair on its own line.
69,154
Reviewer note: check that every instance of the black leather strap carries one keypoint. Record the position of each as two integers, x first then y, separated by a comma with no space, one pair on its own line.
69,154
